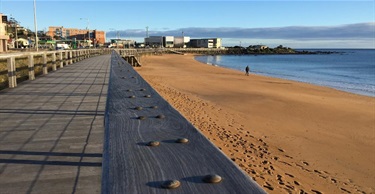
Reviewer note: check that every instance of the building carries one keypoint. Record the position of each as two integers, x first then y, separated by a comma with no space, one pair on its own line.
99,37
154,41
122,43
202,43
3,35
206,43
181,41
96,36
217,43
167,41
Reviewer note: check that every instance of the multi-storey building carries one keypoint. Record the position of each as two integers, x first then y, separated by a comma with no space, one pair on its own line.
59,31
167,41
3,35
206,43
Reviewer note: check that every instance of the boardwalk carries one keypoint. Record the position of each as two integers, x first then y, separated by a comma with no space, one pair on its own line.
51,131
56,136
137,115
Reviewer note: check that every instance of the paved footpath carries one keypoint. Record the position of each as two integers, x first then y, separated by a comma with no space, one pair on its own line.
51,130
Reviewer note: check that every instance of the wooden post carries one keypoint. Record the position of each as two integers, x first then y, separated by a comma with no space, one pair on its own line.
70,57
66,58
75,56
31,67
54,68
61,59
73,60
45,69
12,72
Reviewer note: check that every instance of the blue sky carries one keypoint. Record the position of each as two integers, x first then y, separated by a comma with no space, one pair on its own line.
297,24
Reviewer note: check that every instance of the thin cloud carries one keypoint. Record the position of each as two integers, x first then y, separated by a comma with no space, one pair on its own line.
349,31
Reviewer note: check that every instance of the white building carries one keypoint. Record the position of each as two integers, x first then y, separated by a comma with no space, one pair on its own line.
181,41
217,43
168,41
3,36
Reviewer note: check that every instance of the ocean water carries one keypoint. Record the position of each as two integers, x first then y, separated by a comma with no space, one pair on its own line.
347,70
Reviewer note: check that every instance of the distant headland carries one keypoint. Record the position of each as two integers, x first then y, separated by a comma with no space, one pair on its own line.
265,50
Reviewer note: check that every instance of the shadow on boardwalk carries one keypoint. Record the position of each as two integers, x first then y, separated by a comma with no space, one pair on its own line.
52,129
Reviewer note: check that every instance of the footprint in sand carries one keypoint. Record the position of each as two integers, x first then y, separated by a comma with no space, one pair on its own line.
290,187
289,156
286,163
316,191
290,175
305,163
343,189
317,171
268,186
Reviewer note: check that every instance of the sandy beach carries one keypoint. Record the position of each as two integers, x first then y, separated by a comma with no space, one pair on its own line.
289,136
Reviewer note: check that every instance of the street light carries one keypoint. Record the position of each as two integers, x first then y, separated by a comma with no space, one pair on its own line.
88,23
36,28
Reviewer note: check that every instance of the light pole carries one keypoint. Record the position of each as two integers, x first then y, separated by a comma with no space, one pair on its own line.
36,28
88,23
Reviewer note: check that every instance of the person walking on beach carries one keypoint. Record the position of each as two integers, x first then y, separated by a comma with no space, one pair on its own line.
247,69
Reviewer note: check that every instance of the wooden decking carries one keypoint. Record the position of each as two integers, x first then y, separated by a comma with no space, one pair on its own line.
130,165
59,131
51,130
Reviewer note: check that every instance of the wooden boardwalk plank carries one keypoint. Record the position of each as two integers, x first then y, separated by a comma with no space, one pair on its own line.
51,130
130,166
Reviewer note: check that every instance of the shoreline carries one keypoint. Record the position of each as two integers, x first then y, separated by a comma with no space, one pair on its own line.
332,84
288,136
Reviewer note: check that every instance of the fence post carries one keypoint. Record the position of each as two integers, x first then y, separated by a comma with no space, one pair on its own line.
66,58
54,68
45,69
75,59
61,59
12,72
70,57
31,67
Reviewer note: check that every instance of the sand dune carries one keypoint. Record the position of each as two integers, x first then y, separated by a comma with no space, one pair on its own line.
288,136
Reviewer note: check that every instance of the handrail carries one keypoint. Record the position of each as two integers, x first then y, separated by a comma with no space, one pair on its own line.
50,60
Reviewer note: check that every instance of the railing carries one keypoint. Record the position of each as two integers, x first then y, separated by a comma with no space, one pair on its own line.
134,56
16,67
